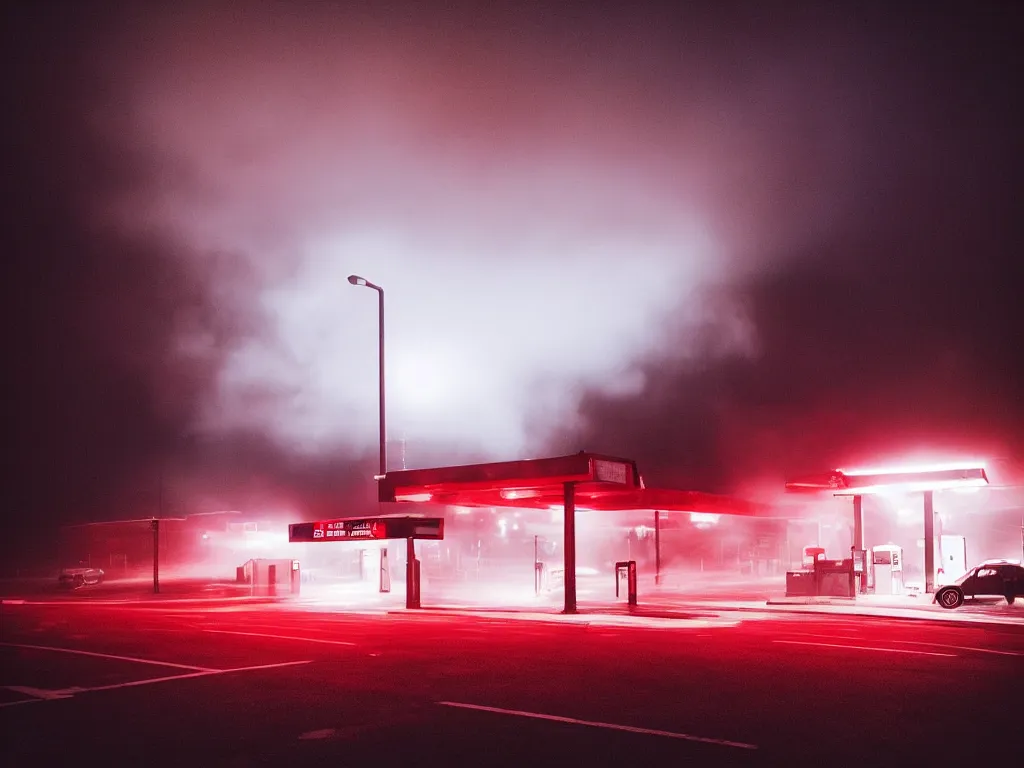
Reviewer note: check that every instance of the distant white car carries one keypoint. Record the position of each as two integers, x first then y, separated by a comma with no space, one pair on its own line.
75,578
993,578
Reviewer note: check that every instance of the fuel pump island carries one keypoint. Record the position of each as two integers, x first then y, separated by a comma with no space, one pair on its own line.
377,528
880,569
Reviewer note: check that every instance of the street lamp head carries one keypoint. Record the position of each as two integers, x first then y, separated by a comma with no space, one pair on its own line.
357,280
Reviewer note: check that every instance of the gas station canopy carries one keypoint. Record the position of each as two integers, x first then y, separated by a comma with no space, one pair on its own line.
602,483
863,482
586,480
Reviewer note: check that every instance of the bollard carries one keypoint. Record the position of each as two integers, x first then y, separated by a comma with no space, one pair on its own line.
385,572
414,598
627,568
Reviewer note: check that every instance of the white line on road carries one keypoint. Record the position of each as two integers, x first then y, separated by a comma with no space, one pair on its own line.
207,673
38,693
595,724
128,602
865,648
295,626
322,733
66,693
959,647
108,656
279,637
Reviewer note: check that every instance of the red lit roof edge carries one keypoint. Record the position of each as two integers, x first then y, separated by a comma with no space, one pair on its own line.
839,482
525,473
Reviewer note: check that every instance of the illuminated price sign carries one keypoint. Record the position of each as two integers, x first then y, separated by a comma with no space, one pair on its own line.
349,529
370,528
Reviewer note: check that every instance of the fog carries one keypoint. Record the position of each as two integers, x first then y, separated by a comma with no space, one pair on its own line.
729,245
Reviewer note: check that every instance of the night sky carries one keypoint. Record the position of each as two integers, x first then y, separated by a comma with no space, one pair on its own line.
731,242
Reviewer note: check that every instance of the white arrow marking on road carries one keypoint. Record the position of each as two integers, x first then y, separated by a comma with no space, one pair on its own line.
68,692
39,693
111,656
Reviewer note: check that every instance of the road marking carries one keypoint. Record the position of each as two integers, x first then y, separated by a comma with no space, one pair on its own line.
827,637
52,697
66,693
959,647
280,637
323,733
865,648
301,626
206,673
38,693
595,724
128,602
108,656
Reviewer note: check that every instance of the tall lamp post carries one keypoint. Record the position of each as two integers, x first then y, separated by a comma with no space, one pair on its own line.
412,597
357,280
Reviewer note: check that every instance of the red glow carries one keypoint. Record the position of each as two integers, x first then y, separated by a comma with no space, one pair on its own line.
904,482
420,497
600,483
911,487
899,478
902,469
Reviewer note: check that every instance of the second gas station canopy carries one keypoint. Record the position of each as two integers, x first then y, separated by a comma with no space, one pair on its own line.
601,483
864,482
906,479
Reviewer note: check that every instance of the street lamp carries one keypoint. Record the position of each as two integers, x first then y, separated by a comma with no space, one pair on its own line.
362,281
412,590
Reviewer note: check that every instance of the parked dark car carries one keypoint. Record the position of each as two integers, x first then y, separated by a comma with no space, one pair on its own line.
74,578
993,578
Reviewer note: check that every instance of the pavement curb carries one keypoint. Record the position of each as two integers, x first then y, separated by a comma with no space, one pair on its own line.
595,618
554,620
128,602
813,609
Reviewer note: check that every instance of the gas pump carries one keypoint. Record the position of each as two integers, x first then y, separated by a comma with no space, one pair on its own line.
950,557
887,568
860,568
366,558
953,559
811,555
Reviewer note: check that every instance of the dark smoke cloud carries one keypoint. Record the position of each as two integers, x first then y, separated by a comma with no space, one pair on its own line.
112,342
893,332
855,176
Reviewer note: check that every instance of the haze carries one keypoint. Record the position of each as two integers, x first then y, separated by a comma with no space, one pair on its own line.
722,243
